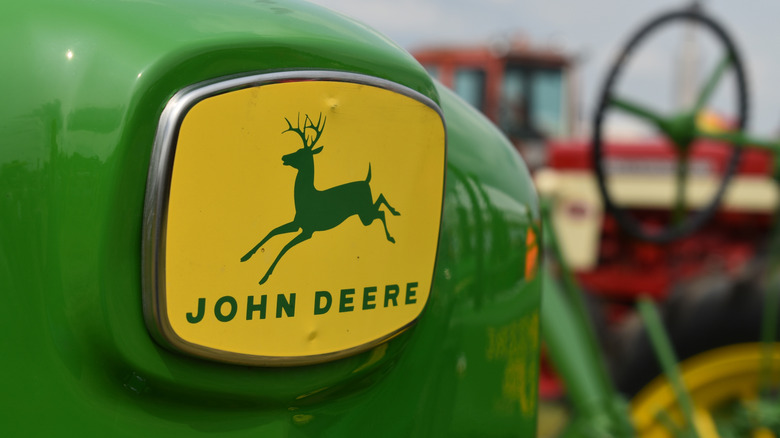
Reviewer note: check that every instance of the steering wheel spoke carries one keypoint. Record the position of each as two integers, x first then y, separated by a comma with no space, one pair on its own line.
738,139
638,110
712,82
681,188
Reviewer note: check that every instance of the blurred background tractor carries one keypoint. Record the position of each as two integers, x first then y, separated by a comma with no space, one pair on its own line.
660,201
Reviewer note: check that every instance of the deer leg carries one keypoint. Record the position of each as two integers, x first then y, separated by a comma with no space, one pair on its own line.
381,200
381,215
305,235
286,228
368,217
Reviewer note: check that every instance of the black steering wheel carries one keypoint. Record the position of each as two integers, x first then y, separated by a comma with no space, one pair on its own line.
680,129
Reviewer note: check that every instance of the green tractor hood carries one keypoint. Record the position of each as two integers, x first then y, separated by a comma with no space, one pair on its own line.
262,218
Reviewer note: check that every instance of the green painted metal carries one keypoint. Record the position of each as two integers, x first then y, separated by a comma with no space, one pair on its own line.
81,100
668,360
575,351
680,128
598,408
712,82
575,298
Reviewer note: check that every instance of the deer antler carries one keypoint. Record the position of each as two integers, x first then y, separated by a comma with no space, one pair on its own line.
318,129
307,123
301,132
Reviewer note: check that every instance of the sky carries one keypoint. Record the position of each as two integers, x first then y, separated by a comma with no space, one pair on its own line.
591,31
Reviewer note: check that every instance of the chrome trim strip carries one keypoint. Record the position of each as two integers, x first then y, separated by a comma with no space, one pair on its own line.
158,187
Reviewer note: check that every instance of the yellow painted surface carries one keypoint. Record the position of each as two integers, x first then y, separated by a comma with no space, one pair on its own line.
713,379
230,189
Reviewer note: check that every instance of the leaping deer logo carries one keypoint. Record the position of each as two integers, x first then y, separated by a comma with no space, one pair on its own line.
320,210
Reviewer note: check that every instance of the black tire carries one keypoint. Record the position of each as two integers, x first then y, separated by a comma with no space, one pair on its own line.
694,325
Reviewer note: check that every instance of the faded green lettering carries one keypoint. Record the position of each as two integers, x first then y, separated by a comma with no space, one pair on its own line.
193,319
345,301
391,293
218,308
369,297
283,304
411,293
318,296
251,307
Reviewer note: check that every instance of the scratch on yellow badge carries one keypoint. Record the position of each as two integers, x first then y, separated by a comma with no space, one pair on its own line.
303,221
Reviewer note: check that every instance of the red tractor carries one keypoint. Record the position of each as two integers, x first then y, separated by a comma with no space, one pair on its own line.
527,91
680,218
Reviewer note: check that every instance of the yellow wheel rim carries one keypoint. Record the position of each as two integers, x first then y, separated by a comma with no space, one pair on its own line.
715,378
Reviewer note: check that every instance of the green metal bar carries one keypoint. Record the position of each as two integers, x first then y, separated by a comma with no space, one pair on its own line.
574,350
740,139
551,241
665,419
575,296
682,183
637,110
569,349
666,357
712,82
599,409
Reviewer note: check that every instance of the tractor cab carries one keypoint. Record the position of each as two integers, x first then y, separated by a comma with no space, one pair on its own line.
525,90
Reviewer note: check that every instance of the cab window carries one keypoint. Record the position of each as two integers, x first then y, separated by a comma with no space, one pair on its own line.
469,84
532,102
548,112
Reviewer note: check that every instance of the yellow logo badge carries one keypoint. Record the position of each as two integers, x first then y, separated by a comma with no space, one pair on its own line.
292,218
